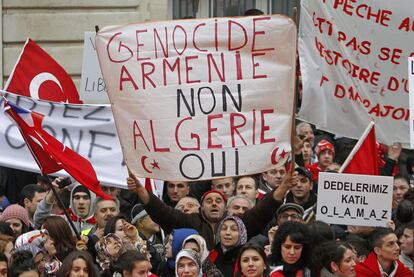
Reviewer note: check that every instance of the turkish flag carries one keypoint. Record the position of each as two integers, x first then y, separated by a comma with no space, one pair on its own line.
50,154
365,159
37,75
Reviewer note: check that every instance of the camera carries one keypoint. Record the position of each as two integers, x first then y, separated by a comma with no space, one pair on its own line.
64,182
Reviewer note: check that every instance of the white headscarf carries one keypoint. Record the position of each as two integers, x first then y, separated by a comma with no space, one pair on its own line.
192,255
201,242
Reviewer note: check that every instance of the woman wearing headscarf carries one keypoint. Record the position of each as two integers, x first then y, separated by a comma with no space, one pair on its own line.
108,250
173,246
198,244
231,235
188,264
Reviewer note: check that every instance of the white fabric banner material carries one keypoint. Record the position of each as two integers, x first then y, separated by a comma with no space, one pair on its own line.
353,57
201,99
86,129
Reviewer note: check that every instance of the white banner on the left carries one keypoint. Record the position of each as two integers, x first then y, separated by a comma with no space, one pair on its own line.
87,129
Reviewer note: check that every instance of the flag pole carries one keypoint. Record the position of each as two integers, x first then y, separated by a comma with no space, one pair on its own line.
293,126
57,196
357,146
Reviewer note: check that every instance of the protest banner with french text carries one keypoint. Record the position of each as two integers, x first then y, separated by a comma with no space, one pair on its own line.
353,56
87,129
353,199
201,99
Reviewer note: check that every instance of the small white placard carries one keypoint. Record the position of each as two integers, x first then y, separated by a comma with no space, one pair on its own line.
352,199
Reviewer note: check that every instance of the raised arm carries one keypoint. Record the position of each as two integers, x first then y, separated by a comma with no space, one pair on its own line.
256,218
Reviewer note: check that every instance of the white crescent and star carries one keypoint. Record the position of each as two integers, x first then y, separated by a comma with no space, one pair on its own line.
38,80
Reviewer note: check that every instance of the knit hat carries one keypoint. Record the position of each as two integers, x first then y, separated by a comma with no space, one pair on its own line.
137,213
213,191
16,211
81,188
324,145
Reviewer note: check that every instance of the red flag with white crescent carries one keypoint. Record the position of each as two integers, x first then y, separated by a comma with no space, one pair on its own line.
37,75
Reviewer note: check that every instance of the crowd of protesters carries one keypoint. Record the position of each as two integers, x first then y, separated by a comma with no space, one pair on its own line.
252,226
256,225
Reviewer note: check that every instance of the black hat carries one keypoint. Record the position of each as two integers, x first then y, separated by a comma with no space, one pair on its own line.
137,213
80,188
290,206
305,172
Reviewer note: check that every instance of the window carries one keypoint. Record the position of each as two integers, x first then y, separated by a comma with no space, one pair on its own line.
232,7
285,7
184,8
215,8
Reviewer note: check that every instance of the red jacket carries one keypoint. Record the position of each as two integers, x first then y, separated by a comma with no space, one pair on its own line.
370,268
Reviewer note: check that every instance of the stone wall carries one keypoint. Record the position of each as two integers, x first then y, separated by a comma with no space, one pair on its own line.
58,26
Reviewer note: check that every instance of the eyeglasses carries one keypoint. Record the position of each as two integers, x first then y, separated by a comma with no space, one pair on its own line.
187,205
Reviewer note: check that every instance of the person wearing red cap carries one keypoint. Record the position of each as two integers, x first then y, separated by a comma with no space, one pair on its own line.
212,210
325,152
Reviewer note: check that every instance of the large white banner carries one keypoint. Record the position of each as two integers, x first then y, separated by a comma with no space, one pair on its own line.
87,129
353,57
352,199
201,99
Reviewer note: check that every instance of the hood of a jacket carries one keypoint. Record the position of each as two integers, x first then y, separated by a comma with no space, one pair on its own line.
71,205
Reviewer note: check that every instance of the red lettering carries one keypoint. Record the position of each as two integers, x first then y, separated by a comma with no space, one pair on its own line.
393,84
194,39
398,114
388,54
238,66
234,128
137,32
164,47
145,75
180,39
257,65
211,130
189,68
128,78
405,25
175,66
135,127
256,33
230,38
265,127
156,149
121,45
211,60
340,91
